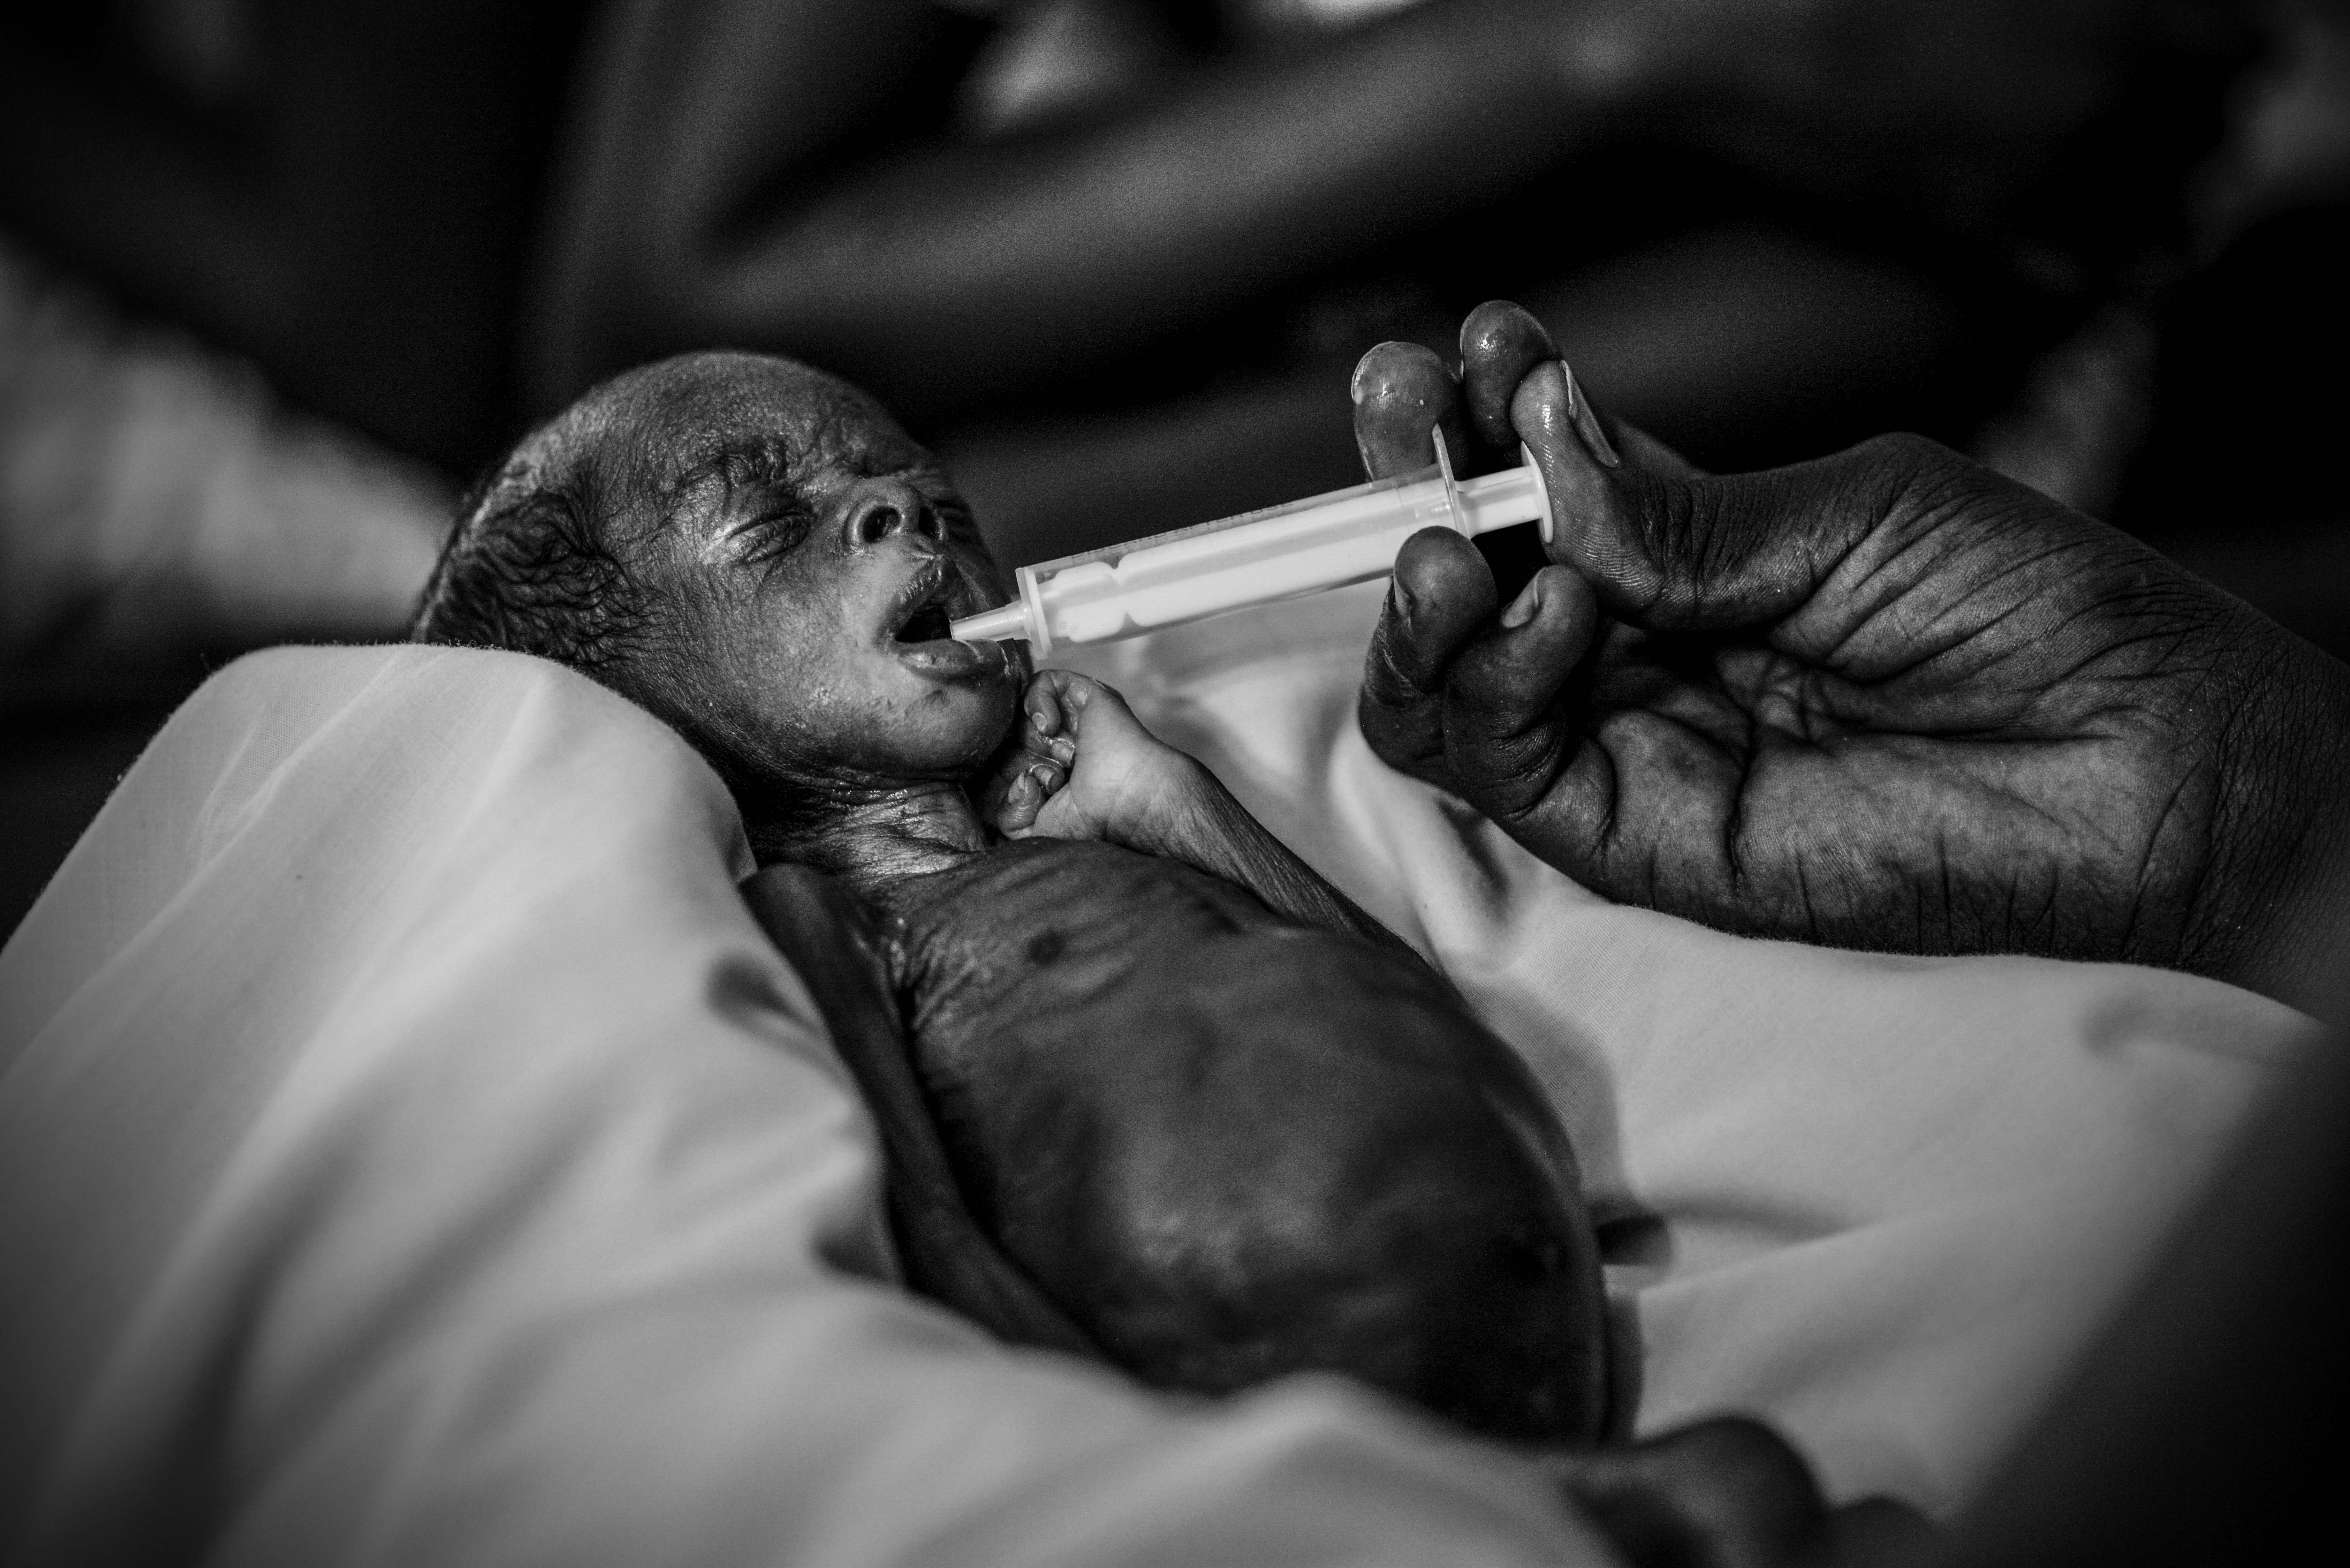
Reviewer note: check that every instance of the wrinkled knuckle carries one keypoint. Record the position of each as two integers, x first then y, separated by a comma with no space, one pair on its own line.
1404,741
1393,673
1386,713
1506,689
1505,771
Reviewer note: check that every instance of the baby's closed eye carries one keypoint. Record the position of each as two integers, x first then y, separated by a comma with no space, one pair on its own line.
774,532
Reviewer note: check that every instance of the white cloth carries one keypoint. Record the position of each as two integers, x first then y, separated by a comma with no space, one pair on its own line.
1897,1195
410,1152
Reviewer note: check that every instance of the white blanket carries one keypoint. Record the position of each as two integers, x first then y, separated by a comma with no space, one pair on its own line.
410,1152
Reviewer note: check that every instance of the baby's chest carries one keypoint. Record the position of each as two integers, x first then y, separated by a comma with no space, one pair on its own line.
1051,931
1058,919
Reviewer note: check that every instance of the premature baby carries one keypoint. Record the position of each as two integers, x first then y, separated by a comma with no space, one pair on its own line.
1203,1116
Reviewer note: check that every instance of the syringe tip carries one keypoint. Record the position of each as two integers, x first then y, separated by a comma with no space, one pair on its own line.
1003,622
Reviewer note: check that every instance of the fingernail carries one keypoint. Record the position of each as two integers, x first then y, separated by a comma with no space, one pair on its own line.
1520,610
1587,423
1399,602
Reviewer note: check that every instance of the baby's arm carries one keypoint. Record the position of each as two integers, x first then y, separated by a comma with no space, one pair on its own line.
1083,766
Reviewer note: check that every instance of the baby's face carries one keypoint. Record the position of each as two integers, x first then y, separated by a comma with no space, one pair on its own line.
812,558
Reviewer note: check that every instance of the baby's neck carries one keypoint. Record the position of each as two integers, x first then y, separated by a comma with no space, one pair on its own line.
867,840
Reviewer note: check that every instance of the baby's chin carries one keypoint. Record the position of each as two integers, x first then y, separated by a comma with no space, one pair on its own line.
870,715
953,730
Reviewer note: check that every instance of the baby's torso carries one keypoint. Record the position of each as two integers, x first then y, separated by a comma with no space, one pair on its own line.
1175,1108
1021,942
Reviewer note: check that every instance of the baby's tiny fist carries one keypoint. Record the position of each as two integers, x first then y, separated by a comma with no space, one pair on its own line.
1030,789
1043,710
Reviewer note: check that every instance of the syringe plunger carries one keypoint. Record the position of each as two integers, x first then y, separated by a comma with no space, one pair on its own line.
1282,552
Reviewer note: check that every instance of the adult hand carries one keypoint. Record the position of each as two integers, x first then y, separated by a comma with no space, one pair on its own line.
1885,699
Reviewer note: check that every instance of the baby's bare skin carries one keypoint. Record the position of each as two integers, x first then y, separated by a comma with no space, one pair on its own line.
1212,1119
1145,1086
1231,1147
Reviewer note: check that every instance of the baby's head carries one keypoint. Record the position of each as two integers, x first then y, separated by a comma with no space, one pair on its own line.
754,551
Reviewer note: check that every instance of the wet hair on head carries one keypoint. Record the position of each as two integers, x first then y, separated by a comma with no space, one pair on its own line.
529,566
533,564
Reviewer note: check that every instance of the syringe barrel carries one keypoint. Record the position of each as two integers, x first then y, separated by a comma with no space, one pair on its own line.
1324,541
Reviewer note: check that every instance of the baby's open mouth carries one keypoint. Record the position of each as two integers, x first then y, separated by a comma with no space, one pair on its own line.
927,624
921,640
919,612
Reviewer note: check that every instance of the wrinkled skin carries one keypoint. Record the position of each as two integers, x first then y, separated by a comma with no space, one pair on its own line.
1214,1144
791,534
1884,700
1127,1109
1229,1290
1230,1147
1128,1112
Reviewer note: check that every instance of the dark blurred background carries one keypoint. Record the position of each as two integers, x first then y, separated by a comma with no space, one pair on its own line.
278,277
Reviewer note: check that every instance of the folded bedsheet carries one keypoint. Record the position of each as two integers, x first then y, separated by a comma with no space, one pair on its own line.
410,1152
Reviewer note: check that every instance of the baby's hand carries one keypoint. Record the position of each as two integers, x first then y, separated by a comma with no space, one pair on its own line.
1082,766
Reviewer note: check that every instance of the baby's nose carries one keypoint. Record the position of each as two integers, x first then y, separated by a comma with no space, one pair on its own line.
891,509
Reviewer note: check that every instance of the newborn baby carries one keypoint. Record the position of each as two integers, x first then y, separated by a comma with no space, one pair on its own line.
1172,1098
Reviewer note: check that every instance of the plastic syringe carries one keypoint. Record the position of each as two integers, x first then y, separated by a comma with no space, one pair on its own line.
1281,551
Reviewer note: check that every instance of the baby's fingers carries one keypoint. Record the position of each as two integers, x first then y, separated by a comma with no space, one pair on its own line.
1024,750
1034,785
1093,711
1041,703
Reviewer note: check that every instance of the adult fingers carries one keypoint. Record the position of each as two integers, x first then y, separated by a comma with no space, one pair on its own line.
1501,345
1604,524
1401,392
1506,739
1715,554
1440,597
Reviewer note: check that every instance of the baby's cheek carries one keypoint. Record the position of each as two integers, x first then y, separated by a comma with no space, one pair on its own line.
977,721
943,731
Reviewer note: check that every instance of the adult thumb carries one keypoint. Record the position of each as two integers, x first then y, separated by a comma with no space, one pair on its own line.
1682,551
